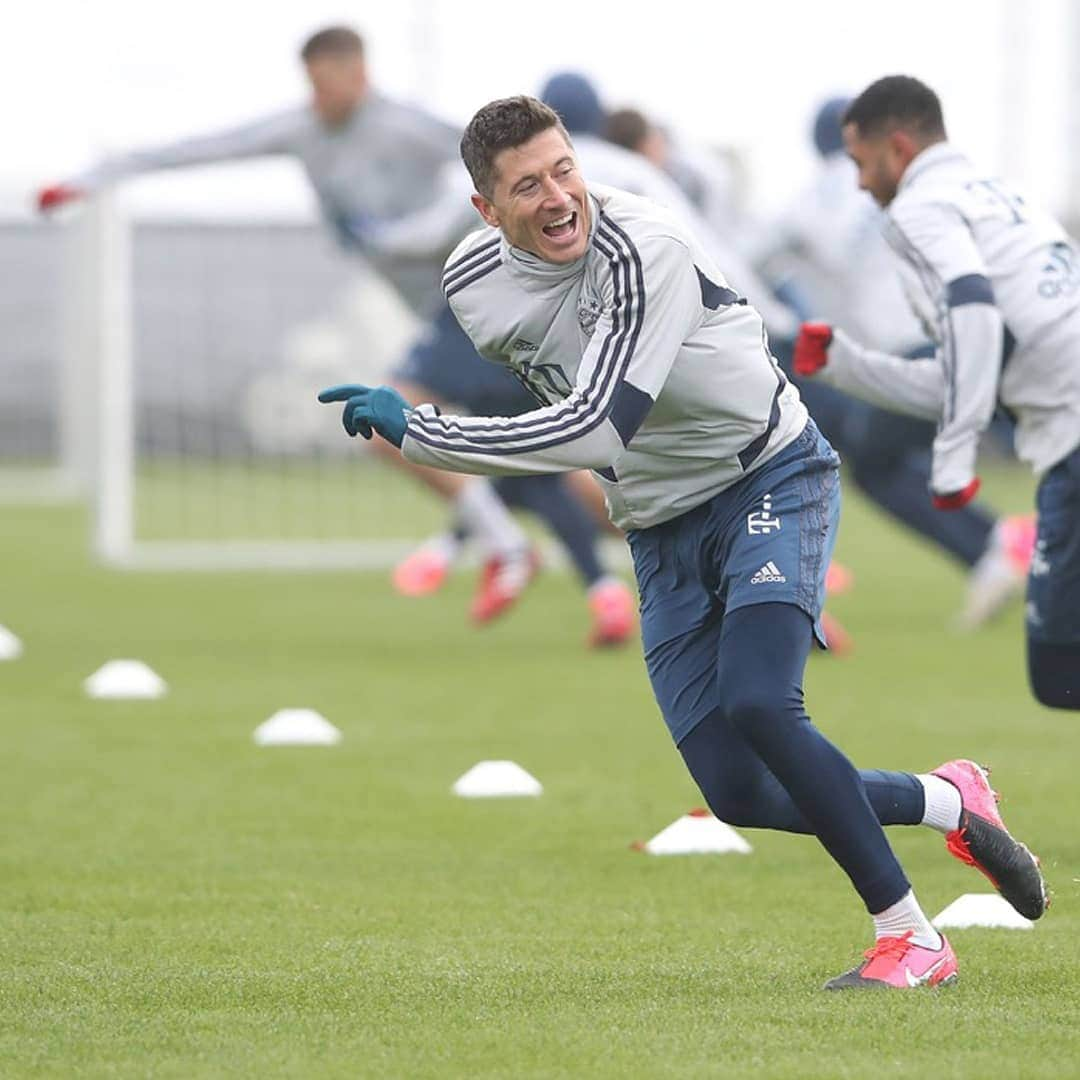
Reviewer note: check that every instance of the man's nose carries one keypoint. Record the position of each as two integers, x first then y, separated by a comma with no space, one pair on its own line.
554,195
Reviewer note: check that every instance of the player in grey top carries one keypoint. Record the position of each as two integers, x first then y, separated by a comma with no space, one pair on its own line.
655,372
828,240
390,183
369,159
996,284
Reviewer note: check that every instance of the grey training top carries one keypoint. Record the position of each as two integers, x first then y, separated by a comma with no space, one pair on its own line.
649,368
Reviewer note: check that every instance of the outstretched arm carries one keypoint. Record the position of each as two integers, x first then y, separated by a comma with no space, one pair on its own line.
915,387
272,135
652,302
656,302
958,388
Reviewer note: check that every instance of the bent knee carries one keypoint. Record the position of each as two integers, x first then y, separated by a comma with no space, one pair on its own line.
752,709
1054,675
1054,694
736,804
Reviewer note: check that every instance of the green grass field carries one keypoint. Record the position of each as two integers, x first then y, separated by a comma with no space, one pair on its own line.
179,903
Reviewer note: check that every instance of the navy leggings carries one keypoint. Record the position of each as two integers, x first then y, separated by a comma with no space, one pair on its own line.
761,763
551,499
1054,674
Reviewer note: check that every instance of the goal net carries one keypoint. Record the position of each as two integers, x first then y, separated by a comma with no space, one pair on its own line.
208,342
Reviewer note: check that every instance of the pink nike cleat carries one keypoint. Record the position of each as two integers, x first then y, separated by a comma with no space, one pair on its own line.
838,579
502,581
1000,575
983,841
899,964
613,621
421,573
1018,534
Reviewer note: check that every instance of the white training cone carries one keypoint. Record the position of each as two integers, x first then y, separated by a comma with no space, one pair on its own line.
297,727
696,833
495,779
125,679
982,909
11,647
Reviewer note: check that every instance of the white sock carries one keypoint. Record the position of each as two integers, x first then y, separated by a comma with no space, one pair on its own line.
604,582
486,518
446,545
943,804
897,919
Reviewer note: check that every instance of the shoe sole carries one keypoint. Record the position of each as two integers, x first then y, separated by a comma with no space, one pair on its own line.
836,985
1009,865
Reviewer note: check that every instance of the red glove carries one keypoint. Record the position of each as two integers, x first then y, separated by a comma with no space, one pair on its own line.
956,499
812,348
58,195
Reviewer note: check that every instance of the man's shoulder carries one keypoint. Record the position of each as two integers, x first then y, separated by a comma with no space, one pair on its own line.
940,184
637,221
927,208
477,256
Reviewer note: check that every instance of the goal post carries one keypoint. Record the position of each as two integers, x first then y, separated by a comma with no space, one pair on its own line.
46,432
206,343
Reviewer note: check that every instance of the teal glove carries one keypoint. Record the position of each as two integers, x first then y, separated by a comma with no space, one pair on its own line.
371,408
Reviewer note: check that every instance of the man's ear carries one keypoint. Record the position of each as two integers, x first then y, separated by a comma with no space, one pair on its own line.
485,209
904,145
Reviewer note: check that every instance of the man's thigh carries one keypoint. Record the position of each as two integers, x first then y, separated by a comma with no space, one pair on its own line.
680,621
778,550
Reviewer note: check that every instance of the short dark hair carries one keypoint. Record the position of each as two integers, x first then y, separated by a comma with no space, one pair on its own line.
628,128
332,41
897,101
502,125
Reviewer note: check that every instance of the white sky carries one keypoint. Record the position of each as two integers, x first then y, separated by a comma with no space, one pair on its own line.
79,79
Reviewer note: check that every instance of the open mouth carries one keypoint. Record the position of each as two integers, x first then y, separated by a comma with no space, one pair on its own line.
562,228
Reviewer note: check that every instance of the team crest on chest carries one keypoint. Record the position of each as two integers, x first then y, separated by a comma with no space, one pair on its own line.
588,312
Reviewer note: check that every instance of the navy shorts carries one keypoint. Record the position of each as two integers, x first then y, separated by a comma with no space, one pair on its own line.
444,360
1053,594
766,539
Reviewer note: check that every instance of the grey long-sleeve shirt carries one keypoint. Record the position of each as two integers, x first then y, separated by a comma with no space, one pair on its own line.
654,372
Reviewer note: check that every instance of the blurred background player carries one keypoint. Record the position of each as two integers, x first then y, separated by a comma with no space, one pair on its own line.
825,256
375,165
996,282
829,244
708,177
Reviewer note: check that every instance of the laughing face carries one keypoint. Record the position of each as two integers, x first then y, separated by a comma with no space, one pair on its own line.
539,199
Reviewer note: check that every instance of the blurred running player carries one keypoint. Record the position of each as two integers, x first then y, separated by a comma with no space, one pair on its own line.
995,281
376,166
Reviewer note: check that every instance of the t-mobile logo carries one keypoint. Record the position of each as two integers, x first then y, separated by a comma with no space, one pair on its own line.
762,521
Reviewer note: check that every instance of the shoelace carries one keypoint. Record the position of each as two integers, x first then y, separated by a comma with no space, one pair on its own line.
958,846
890,947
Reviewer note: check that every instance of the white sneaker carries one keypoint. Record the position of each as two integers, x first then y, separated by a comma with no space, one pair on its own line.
1000,575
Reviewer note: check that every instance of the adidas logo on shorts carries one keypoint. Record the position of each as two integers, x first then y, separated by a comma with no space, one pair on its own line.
769,572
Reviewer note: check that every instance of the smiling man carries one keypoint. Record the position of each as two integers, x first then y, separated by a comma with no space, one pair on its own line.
657,375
